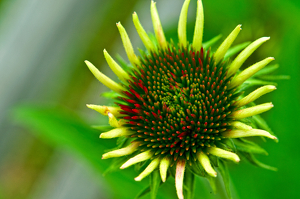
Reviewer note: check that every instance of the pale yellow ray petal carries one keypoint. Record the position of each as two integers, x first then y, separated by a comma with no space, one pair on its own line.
153,165
142,33
236,133
138,158
205,162
255,95
117,132
220,53
241,58
121,152
104,79
104,110
115,67
163,168
182,23
198,32
158,30
254,110
248,72
223,154
128,46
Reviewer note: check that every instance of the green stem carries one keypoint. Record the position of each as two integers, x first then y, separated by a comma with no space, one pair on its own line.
189,183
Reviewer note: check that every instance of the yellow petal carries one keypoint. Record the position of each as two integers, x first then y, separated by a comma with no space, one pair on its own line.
254,110
117,132
164,165
255,95
205,162
241,58
104,79
136,159
128,46
224,154
121,152
198,32
182,23
153,165
220,53
142,33
158,30
236,133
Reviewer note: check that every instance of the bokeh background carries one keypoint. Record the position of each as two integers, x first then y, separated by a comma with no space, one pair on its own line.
47,148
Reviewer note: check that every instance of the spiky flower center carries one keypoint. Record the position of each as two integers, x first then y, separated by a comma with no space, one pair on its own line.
178,102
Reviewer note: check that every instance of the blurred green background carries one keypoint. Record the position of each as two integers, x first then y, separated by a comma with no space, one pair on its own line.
47,148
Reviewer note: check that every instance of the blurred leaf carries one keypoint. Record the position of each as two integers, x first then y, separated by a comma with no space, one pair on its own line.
274,77
235,49
63,129
266,70
211,42
256,82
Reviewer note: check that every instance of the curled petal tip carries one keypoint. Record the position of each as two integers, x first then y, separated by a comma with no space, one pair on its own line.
137,179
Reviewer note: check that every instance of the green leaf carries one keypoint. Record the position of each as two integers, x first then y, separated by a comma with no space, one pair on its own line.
189,184
155,182
225,175
266,70
274,77
257,82
248,146
65,130
211,42
235,49
251,158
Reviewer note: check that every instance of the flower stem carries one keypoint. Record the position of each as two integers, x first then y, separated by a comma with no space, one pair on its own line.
189,184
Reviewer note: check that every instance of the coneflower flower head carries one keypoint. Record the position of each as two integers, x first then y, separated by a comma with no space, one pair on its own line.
182,107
